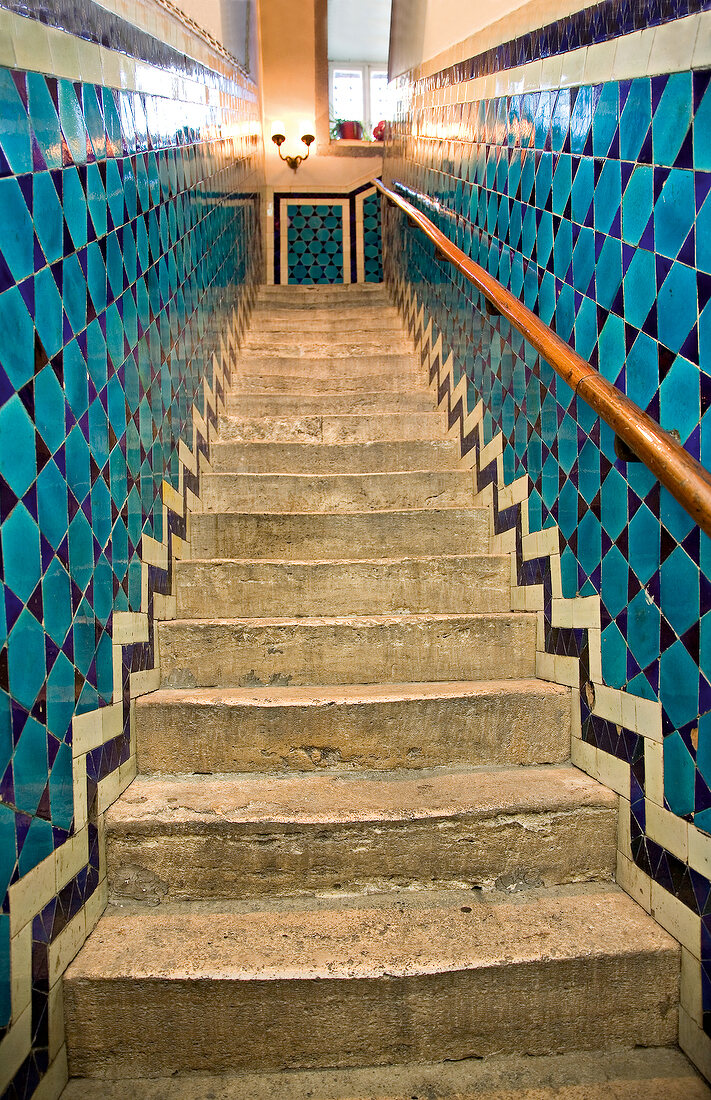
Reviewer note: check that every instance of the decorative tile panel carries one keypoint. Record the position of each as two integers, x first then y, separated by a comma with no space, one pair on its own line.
589,203
320,238
129,242
314,242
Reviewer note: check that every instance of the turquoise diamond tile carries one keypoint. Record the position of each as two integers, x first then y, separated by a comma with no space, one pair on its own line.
14,126
672,118
29,766
50,226
677,306
21,552
678,775
16,234
674,213
18,466
26,659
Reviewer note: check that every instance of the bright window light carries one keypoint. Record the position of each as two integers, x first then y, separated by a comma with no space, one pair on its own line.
348,100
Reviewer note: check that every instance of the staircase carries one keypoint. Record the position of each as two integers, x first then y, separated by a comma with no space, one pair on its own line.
355,839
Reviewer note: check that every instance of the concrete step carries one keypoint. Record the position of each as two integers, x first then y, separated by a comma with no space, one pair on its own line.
652,1073
367,726
183,838
368,428
219,986
232,492
334,458
353,650
328,404
285,360
336,383
312,319
210,588
350,343
298,536
363,295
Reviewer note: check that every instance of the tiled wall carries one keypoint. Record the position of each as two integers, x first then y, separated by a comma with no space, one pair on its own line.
575,165
130,161
322,238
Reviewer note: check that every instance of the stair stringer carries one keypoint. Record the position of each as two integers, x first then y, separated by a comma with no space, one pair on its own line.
574,623
103,736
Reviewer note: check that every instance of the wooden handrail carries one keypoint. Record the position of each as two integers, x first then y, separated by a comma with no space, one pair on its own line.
685,478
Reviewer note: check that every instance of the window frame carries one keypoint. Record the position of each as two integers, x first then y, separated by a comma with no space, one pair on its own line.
366,68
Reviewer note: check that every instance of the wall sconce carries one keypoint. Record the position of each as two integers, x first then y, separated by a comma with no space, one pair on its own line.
279,137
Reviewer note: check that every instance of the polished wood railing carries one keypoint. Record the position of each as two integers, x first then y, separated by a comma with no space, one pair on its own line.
685,478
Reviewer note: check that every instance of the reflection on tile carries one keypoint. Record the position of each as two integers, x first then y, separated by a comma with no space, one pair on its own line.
128,239
590,204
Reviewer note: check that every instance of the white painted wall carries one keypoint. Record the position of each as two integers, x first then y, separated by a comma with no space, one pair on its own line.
358,30
424,28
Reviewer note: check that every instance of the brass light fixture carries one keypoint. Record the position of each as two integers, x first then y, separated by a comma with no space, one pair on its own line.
279,137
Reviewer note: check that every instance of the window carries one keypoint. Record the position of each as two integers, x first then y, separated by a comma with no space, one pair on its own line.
359,92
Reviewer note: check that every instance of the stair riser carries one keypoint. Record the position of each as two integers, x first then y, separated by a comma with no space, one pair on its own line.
326,346
402,368
485,729
327,404
339,297
194,654
415,427
285,322
335,493
283,361
217,860
151,1027
324,458
402,383
212,589
299,537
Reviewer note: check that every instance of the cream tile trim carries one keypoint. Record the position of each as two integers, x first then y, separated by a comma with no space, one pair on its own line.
673,47
642,716
28,44
360,240
33,891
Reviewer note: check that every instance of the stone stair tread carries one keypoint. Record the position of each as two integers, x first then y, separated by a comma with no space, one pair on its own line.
334,427
651,1073
356,621
401,934
328,695
336,457
154,803
317,586
399,559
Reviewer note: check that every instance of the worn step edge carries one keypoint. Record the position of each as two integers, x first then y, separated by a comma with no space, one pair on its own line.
409,976
333,457
173,838
476,582
278,405
651,1073
344,727
172,803
346,649
334,427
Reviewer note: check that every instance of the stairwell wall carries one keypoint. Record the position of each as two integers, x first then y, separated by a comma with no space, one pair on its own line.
569,152
131,164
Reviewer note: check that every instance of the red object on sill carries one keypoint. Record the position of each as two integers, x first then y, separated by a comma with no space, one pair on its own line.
379,131
350,131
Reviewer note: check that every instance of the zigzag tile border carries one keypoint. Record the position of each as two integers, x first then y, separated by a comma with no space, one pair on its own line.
97,735
536,579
